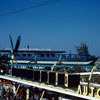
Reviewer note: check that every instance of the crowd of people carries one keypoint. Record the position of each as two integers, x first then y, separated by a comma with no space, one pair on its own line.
16,92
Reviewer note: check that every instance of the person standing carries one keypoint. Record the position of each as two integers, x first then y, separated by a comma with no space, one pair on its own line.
8,94
2,91
14,89
21,92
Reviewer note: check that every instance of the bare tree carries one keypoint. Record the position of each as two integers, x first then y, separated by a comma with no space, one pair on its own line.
82,48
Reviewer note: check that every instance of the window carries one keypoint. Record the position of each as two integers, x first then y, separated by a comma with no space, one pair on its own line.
42,54
53,55
29,55
47,54
24,54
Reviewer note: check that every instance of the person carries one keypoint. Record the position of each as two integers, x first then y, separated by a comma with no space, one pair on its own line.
17,97
30,91
2,91
36,94
24,93
8,94
53,98
14,89
21,92
32,98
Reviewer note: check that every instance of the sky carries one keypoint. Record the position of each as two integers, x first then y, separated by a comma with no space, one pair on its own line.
58,26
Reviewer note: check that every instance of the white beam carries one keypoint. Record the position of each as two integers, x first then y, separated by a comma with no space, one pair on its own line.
48,87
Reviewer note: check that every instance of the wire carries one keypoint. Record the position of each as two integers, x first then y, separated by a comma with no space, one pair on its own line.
33,6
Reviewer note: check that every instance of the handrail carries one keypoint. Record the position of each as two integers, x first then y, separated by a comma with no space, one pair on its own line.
92,73
54,65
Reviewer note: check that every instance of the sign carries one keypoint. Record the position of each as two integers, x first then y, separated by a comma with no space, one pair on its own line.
85,91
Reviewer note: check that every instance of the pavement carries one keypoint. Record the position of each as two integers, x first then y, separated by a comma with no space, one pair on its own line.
5,99
2,99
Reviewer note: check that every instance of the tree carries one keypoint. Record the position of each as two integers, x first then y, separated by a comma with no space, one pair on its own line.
82,48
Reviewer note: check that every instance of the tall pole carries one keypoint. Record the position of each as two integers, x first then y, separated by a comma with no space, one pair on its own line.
11,67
